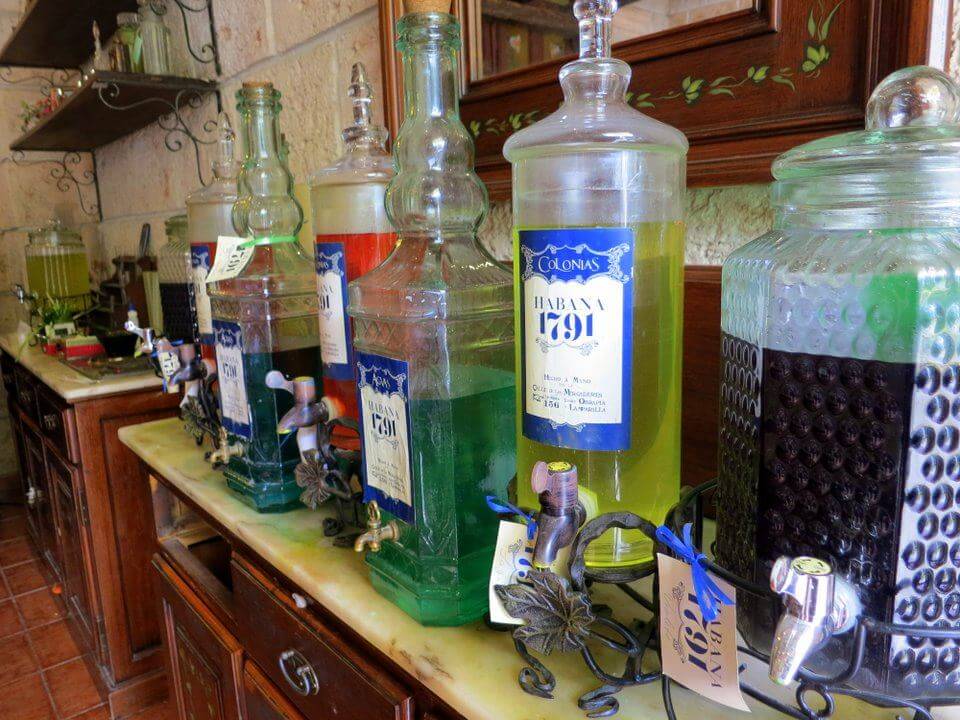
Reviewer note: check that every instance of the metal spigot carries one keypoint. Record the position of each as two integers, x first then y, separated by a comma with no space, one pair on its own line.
561,513
818,604
376,531
147,335
225,450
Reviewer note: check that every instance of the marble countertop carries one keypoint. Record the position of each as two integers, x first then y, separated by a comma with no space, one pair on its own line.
472,668
67,382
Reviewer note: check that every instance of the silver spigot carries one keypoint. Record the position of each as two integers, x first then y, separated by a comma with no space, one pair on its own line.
147,335
817,605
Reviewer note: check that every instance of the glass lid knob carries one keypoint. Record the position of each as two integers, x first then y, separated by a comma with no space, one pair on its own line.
914,97
595,18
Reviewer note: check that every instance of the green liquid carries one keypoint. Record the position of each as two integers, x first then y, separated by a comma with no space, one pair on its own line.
462,451
60,276
645,479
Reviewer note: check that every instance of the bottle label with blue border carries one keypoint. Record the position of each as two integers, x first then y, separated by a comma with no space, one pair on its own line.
383,391
335,346
576,325
201,260
234,405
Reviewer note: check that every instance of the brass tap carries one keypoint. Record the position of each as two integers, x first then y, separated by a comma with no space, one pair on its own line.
225,451
376,531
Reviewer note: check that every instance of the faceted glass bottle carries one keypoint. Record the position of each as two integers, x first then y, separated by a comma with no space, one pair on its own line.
434,350
265,318
597,202
176,286
353,235
210,215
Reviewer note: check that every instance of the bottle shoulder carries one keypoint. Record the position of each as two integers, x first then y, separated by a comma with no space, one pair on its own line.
354,168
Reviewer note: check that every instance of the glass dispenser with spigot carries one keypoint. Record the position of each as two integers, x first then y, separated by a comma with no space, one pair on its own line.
434,353
264,317
597,203
353,233
210,215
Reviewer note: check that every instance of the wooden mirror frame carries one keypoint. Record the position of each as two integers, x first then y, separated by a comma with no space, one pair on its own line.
744,87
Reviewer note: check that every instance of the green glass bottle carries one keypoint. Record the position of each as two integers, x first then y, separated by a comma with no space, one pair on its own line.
434,354
264,318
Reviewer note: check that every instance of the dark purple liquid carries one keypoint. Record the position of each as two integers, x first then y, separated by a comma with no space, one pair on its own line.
179,314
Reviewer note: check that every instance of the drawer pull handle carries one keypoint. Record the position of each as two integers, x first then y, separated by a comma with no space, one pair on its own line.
298,673
299,600
50,421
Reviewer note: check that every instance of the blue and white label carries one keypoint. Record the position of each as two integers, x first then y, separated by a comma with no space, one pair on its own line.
384,399
199,266
332,294
576,329
234,406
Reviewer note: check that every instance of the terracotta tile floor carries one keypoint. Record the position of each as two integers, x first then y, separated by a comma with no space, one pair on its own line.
42,673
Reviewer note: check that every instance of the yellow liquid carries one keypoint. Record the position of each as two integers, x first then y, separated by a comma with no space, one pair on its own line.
645,479
60,276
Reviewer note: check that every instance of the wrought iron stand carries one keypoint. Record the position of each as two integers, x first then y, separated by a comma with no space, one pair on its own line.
584,623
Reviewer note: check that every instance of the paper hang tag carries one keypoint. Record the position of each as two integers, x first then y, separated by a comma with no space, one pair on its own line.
947,712
231,258
699,655
169,364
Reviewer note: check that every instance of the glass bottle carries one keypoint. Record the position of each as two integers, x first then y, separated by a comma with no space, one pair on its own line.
156,37
176,284
57,272
840,384
597,205
265,318
127,48
353,235
210,215
434,341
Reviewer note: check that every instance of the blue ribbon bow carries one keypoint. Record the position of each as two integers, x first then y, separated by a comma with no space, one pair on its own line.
708,593
506,508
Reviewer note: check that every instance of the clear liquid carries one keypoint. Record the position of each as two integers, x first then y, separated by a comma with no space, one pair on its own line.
645,479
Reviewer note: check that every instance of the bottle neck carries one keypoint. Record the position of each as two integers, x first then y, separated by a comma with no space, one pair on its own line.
430,77
262,135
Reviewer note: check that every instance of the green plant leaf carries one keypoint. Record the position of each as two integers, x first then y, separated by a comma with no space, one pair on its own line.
750,71
720,80
784,81
721,91
475,128
825,25
808,66
811,25
685,84
761,73
813,54
645,105
695,85
628,97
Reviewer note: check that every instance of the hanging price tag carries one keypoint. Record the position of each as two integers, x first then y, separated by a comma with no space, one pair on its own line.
512,561
700,655
232,256
169,364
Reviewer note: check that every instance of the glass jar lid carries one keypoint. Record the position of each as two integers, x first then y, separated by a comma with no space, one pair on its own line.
128,18
54,232
908,153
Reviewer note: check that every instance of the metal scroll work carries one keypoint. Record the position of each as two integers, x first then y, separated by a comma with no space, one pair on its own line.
207,52
45,81
561,617
67,174
178,130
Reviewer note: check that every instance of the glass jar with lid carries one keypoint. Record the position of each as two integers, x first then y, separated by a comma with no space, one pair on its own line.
57,272
840,383
176,283
156,37
126,53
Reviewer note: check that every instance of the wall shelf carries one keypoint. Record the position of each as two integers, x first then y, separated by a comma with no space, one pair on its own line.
110,105
58,33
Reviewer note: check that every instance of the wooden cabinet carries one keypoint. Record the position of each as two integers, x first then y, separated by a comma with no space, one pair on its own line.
262,699
39,500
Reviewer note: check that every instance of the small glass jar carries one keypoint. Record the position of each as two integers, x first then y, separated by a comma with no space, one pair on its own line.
840,384
156,37
57,272
176,283
126,51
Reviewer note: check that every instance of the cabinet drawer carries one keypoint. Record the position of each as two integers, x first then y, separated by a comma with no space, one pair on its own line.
7,365
26,392
57,423
263,700
311,664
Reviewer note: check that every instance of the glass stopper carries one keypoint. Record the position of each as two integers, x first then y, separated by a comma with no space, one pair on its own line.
914,97
225,164
360,93
595,18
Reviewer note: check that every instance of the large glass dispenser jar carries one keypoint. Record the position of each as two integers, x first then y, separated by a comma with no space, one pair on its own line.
57,271
176,285
210,215
156,37
598,234
434,351
264,318
353,235
840,383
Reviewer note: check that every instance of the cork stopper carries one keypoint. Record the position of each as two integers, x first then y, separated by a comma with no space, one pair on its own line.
256,84
422,6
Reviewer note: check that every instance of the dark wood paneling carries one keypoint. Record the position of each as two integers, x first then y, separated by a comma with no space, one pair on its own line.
263,700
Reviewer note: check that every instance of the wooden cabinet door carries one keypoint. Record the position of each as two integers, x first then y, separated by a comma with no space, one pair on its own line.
74,552
263,700
204,659
40,501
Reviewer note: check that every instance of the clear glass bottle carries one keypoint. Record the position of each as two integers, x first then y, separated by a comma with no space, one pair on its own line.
176,284
433,339
156,37
265,318
353,235
57,270
597,204
840,383
127,48
210,215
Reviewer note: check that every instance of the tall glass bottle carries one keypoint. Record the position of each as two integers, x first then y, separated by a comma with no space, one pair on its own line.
179,318
210,215
265,318
434,341
353,233
156,37
597,202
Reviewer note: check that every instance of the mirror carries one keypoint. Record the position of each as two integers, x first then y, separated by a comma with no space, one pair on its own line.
514,34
